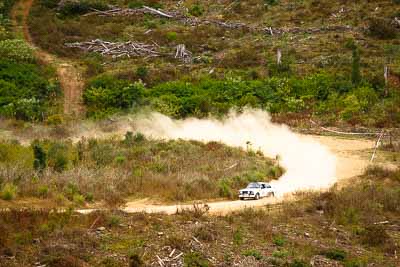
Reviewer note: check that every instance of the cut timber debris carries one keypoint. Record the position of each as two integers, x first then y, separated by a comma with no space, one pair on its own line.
131,49
116,50
130,12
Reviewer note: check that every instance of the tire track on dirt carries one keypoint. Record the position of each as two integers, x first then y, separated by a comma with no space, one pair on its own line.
70,79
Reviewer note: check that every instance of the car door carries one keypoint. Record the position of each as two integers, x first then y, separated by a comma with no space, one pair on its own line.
263,191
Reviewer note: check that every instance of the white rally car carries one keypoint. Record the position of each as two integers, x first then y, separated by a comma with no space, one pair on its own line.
256,191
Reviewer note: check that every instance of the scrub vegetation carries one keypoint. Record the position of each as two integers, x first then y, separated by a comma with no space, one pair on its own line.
112,170
352,226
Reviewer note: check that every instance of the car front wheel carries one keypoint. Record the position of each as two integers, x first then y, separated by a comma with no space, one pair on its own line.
257,196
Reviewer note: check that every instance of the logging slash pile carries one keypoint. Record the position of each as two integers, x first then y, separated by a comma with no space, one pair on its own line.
131,49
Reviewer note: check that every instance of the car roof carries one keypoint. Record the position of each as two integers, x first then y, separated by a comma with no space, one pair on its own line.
259,183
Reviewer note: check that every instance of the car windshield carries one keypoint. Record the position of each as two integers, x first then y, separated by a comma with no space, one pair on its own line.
253,185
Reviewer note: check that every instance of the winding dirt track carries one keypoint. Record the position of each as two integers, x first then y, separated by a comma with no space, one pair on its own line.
68,75
352,159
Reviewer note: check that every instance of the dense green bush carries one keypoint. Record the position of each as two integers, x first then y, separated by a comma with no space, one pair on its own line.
72,7
16,50
320,94
24,92
8,192
106,94
196,10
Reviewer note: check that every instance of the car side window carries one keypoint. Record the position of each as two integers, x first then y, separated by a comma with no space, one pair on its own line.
262,186
268,186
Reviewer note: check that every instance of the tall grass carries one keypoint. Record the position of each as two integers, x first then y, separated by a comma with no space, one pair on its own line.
136,167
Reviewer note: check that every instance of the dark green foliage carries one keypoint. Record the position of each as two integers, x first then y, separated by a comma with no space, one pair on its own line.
299,263
279,241
49,3
271,2
253,253
375,235
5,7
58,157
355,68
335,254
135,260
142,72
195,259
382,28
139,137
40,156
72,8
196,10
105,95
24,92
135,4
321,94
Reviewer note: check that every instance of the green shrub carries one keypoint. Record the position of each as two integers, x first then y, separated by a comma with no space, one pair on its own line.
16,50
253,253
382,28
8,192
135,4
73,8
195,259
196,10
142,72
375,235
23,238
279,241
40,156
78,199
24,92
299,263
225,189
335,254
113,221
139,137
280,253
271,2
120,159
238,237
71,190
106,93
49,3
58,157
135,260
355,68
43,191
171,36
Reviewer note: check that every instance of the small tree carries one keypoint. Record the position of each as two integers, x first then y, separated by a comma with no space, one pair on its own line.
355,69
39,162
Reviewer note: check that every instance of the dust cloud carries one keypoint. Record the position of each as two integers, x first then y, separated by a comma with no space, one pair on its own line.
309,165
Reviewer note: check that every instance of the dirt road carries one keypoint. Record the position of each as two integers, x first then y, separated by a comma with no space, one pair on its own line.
70,79
352,158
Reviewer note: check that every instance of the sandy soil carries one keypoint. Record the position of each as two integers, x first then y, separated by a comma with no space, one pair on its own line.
68,75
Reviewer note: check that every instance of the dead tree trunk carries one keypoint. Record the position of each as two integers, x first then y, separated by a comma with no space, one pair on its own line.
279,56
